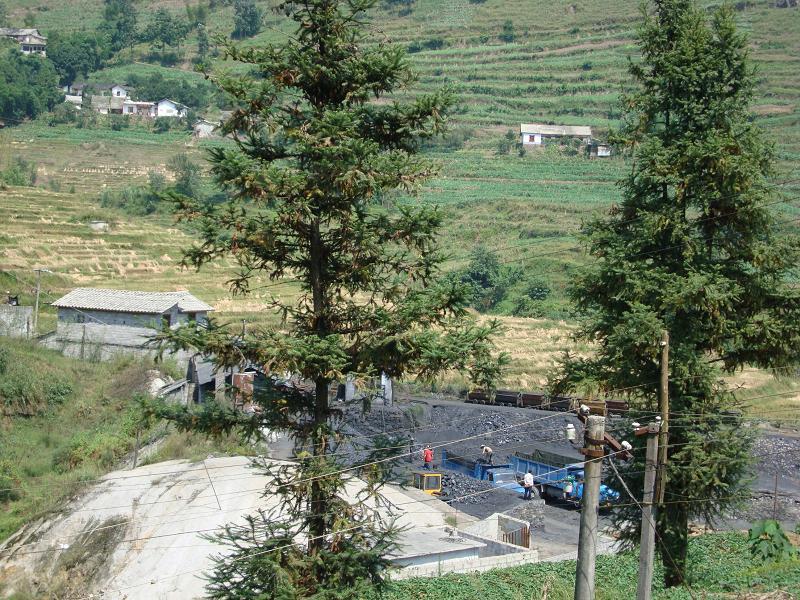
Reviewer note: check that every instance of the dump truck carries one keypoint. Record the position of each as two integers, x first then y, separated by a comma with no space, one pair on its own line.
557,475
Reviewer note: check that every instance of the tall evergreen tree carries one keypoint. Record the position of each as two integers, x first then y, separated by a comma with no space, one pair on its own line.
691,249
312,149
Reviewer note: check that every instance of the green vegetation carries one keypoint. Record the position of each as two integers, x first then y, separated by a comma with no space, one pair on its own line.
721,567
64,422
247,18
28,85
75,55
768,542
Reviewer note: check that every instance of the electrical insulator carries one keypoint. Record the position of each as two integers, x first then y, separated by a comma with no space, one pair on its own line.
570,431
635,425
626,445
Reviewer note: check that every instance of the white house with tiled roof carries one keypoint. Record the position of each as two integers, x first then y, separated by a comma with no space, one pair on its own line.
98,324
130,308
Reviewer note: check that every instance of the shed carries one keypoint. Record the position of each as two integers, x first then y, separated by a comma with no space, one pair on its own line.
535,134
205,129
599,150
138,108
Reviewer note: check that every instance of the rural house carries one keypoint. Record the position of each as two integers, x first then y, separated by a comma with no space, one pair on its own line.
30,40
100,323
169,108
107,105
138,108
132,308
534,134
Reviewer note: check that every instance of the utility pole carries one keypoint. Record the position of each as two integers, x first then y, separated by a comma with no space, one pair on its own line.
775,499
663,406
648,539
590,507
36,305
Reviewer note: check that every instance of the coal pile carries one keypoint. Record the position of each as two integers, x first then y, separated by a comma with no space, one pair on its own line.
777,454
456,485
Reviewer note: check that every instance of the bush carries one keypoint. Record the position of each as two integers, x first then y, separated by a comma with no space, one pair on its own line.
62,114
162,124
454,139
507,33
8,482
20,172
525,306
768,543
432,44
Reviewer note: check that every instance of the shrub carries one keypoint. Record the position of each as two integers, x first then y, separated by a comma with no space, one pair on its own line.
768,542
20,172
62,114
507,33
162,124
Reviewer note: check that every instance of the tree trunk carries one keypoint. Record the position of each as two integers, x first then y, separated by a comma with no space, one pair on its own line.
319,502
674,537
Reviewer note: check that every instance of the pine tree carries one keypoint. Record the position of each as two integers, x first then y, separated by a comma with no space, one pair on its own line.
312,151
691,249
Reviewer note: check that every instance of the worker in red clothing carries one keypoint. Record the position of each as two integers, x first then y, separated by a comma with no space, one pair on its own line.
427,458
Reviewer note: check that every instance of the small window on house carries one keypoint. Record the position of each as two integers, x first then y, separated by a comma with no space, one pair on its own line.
166,320
80,318
531,138
192,317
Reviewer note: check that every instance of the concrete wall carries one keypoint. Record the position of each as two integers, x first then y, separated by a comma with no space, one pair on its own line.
469,565
16,321
105,317
92,341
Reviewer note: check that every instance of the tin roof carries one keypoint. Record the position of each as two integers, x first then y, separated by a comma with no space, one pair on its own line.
565,130
131,301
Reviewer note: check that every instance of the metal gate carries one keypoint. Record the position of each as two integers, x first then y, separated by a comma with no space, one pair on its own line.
520,537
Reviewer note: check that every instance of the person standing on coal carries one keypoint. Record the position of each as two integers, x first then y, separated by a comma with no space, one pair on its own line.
427,458
487,454
527,483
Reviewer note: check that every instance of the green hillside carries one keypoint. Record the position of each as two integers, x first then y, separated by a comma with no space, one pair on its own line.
508,61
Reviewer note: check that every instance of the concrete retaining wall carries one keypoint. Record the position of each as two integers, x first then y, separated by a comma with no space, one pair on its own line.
95,342
16,321
469,565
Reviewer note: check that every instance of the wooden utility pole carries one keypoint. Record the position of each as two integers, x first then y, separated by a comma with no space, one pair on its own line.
663,406
36,304
648,539
590,507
